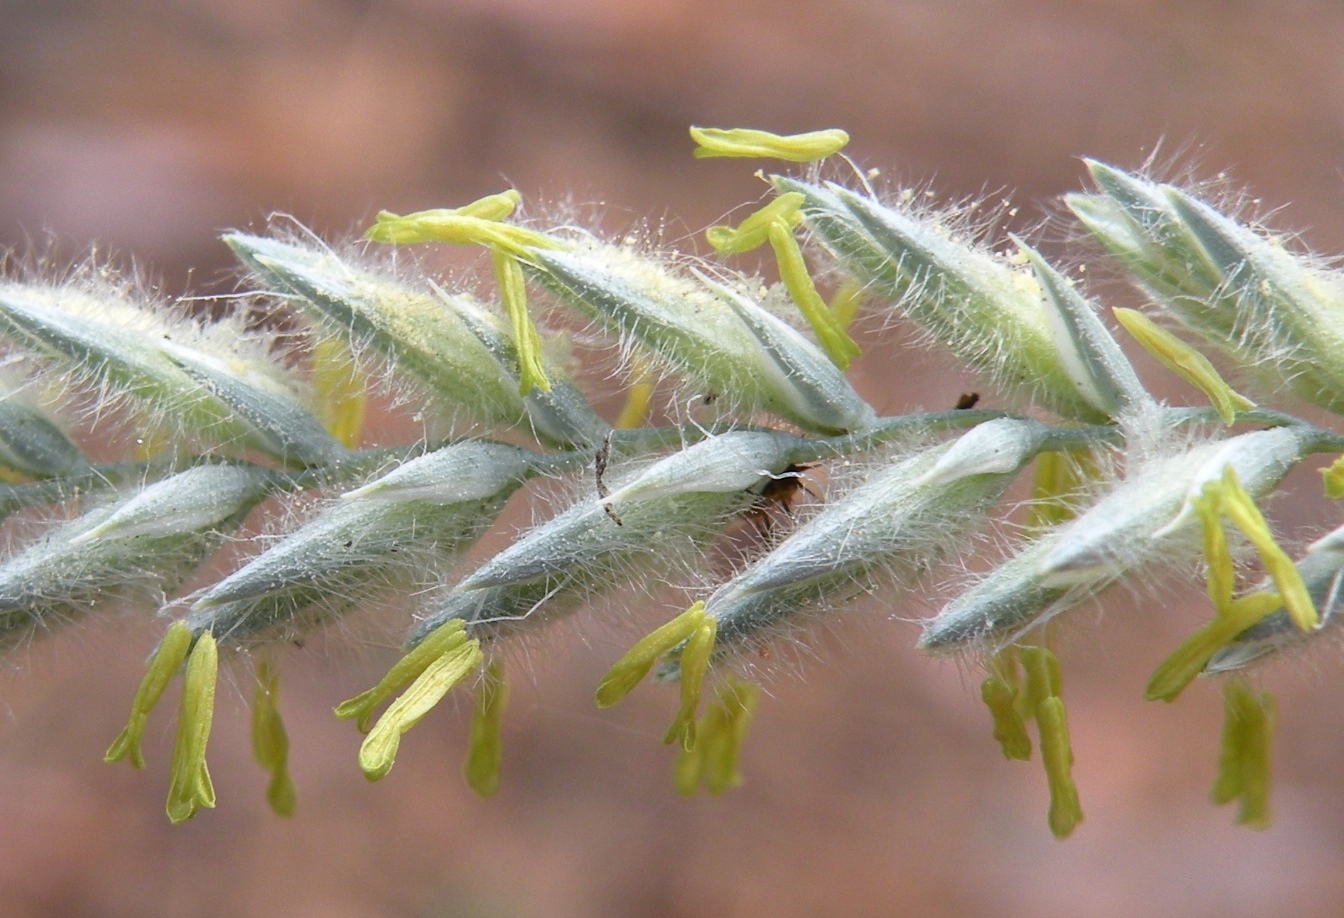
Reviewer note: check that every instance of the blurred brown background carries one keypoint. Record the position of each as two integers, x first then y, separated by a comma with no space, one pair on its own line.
874,787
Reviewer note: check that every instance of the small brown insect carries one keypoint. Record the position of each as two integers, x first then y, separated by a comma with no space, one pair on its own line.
778,495
967,400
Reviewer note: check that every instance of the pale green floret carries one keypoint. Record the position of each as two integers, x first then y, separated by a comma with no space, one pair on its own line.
898,521
1002,604
1147,518
702,336
1155,505
410,328
468,470
278,424
130,551
734,461
1295,313
31,443
989,313
118,345
1268,309
194,500
432,507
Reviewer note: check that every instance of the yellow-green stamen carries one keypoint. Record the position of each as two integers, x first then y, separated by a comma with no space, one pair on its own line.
1184,361
190,787
1243,759
634,665
1065,810
481,768
339,389
1009,729
457,229
693,664
513,293
378,752
834,340
847,302
438,642
747,143
1041,692
270,742
1188,660
713,760
1238,507
163,665
1333,479
1226,498
754,230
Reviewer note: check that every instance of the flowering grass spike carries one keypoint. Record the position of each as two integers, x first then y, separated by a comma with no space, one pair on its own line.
748,494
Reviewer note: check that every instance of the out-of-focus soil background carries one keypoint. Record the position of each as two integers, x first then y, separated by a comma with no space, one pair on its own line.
874,788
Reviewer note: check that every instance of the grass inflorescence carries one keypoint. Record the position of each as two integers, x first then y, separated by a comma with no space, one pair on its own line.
779,498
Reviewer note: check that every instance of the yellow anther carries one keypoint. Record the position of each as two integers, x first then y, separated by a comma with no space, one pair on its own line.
340,391
1188,660
1226,498
1040,695
630,669
492,206
693,664
1009,729
834,341
1056,753
744,142
190,787
847,302
378,752
1238,507
405,671
270,742
458,229
733,712
1333,478
1184,361
1243,759
713,760
485,746
1043,678
754,231
1221,573
513,293
162,666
